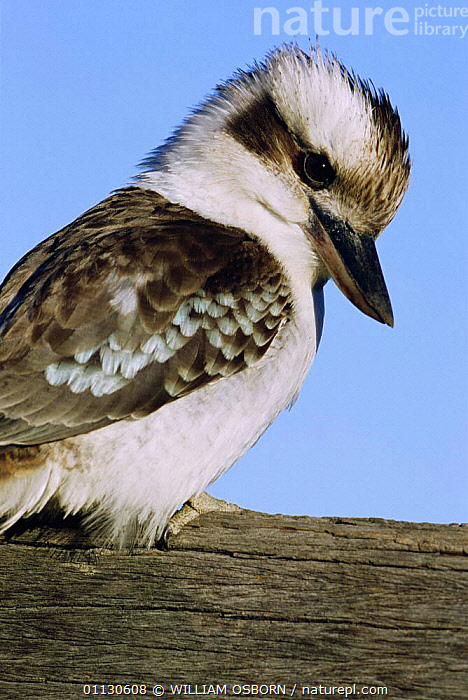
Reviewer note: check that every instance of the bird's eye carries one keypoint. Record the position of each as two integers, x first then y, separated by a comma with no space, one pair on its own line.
317,170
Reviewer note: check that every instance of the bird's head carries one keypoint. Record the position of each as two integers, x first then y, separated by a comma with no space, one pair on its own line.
304,155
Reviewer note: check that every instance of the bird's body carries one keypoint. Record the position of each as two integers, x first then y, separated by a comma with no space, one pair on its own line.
147,346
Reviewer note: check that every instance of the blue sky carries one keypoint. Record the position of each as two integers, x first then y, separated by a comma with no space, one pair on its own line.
89,87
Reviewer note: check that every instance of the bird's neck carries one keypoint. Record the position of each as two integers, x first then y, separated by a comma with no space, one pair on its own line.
223,184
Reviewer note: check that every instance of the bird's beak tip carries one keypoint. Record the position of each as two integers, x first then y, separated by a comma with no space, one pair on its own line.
389,321
384,315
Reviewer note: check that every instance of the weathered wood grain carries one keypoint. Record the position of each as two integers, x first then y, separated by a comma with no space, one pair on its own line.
240,599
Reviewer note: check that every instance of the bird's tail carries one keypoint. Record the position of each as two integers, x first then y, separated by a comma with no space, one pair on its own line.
27,482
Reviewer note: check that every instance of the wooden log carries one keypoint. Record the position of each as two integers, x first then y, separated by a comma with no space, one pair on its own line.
258,605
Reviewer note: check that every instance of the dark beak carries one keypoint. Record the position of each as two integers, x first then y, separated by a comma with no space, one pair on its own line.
351,260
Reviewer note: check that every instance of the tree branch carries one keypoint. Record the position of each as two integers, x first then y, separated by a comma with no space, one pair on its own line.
239,599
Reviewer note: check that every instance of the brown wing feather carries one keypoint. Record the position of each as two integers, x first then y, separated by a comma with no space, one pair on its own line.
136,303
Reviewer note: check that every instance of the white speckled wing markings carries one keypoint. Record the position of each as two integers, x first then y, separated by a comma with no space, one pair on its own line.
135,304
231,324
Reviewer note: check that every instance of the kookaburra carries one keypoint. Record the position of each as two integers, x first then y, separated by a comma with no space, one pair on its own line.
146,346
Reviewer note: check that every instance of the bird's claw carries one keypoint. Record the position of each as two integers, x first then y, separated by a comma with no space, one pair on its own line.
192,509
